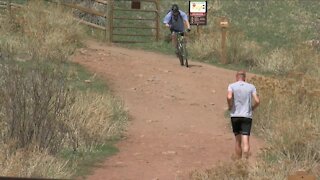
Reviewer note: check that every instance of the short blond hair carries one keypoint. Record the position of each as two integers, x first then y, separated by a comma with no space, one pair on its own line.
241,74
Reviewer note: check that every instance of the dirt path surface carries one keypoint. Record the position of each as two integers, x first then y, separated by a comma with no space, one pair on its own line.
177,119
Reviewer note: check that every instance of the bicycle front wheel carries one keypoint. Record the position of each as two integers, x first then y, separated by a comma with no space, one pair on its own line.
184,54
180,53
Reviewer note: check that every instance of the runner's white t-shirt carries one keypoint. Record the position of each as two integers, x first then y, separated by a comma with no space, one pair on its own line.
242,99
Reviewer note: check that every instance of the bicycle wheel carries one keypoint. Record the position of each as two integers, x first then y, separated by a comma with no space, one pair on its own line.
185,54
180,52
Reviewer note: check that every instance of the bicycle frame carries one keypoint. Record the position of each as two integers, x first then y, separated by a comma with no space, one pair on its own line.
181,49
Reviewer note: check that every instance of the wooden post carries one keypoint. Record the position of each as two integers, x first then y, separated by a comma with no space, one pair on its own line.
198,29
223,46
106,21
224,25
157,20
9,7
111,6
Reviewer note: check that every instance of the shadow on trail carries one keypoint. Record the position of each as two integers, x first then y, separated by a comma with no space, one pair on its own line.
198,66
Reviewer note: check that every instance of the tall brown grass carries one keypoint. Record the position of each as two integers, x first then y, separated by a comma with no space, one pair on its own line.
41,114
40,31
288,121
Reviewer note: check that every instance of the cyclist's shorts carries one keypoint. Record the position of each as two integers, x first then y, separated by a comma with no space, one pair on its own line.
241,125
173,31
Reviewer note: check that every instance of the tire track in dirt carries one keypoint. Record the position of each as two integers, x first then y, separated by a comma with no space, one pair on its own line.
177,114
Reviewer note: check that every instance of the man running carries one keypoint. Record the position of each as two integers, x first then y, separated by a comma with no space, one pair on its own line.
239,100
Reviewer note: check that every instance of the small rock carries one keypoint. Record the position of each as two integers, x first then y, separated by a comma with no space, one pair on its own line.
83,51
87,81
169,153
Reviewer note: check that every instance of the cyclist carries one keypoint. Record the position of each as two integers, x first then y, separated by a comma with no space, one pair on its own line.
240,97
176,20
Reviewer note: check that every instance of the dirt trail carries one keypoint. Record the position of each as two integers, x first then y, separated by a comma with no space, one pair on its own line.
177,114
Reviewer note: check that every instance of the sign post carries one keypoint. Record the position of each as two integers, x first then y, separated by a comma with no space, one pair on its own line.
224,24
198,13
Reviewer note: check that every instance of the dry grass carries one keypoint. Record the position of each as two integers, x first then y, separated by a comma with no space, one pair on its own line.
40,31
40,113
32,163
238,170
96,118
278,61
288,121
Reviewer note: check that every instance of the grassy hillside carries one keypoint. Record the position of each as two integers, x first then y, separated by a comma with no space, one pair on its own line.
270,37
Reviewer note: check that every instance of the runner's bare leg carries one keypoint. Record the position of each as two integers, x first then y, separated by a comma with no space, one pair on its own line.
245,146
238,149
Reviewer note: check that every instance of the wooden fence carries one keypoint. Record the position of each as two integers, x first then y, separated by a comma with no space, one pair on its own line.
149,15
108,16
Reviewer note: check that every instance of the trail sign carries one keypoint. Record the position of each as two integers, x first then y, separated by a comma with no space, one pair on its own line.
198,12
135,4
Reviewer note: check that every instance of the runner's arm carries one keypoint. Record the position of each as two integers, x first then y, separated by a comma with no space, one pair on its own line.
230,98
256,101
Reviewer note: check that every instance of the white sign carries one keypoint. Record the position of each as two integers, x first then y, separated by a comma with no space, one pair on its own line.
198,7
198,12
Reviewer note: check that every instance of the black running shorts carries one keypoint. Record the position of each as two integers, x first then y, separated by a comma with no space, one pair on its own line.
241,125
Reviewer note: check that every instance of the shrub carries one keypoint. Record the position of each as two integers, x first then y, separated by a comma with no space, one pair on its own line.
34,104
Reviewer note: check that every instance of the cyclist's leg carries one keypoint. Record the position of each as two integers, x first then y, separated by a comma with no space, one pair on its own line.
174,41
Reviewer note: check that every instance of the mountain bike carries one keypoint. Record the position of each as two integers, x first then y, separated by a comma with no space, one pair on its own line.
182,52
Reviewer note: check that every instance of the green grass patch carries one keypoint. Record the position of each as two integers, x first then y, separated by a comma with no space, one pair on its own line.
88,160
83,80
161,46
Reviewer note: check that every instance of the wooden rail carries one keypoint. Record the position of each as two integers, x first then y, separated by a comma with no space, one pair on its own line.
86,10
89,11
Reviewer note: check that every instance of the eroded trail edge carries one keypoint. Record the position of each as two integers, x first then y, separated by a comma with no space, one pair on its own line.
177,121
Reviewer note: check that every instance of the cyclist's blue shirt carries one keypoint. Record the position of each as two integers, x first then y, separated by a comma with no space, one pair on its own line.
176,25
242,99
